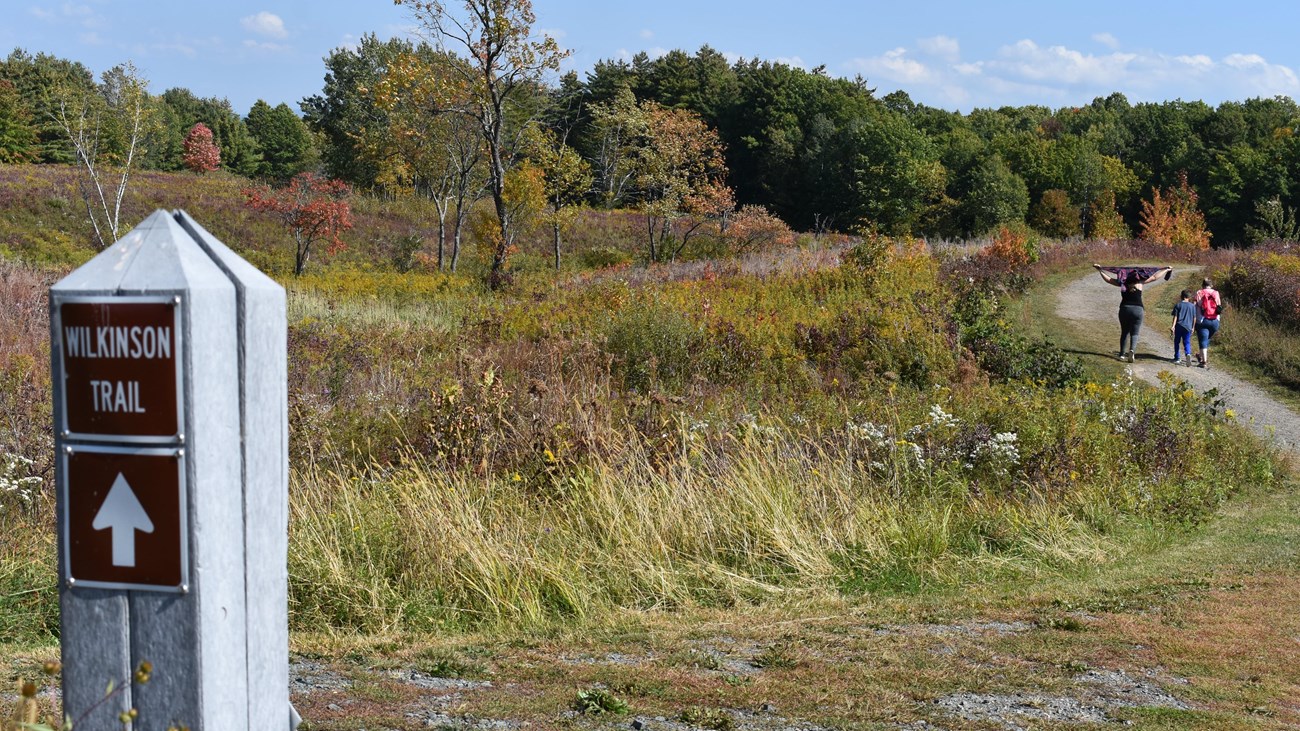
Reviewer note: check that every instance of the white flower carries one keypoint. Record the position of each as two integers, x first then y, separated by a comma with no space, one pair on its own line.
25,489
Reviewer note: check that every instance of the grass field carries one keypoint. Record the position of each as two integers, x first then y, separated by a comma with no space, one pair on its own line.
862,485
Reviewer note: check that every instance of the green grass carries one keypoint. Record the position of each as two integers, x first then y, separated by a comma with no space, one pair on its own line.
1166,612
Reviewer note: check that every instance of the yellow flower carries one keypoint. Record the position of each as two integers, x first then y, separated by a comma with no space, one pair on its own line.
1229,414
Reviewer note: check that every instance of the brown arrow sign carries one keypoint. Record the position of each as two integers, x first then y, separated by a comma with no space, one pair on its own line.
120,358
125,518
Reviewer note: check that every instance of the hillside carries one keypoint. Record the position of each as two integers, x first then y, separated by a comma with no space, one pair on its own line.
702,460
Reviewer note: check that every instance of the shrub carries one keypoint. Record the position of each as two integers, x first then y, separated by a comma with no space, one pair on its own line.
1266,279
1007,355
604,257
1015,247
653,344
753,228
1054,215
1172,219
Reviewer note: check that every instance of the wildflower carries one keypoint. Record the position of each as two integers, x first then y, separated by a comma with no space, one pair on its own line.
940,418
23,488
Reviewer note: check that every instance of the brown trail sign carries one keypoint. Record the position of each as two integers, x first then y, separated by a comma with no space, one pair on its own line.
121,362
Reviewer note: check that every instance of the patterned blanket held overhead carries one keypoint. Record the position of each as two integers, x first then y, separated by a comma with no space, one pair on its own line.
1142,272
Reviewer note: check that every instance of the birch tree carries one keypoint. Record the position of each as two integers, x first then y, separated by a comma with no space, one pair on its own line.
106,128
505,64
428,146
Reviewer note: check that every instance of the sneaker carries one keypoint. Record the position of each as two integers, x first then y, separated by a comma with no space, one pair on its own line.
1120,356
1187,361
1130,356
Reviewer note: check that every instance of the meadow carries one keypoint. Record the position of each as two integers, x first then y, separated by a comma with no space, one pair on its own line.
843,416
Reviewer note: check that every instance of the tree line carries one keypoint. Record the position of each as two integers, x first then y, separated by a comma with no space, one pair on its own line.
704,147
271,142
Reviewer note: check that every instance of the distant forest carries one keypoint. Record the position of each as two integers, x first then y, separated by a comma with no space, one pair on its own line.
821,153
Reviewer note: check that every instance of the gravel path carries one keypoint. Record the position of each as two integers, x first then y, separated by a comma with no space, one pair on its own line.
1092,301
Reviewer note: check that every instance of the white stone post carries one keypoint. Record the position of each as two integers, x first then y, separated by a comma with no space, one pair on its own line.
168,355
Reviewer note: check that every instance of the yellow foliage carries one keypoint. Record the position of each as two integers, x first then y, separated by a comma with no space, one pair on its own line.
1172,219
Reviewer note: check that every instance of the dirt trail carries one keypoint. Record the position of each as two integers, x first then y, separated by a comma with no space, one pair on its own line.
1089,300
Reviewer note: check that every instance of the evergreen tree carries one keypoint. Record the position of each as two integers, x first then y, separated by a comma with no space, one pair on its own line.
282,138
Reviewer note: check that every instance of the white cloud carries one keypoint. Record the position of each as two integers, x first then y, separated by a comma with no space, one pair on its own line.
1198,61
653,53
895,66
791,61
1107,40
82,15
265,24
1257,77
1027,60
1026,72
265,46
185,49
647,34
942,46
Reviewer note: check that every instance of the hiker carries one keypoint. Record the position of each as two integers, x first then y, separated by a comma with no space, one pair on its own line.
1209,306
1184,314
1130,302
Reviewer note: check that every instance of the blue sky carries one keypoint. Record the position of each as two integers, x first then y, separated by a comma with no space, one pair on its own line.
949,54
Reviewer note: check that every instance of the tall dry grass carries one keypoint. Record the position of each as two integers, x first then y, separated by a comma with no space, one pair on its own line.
26,456
759,510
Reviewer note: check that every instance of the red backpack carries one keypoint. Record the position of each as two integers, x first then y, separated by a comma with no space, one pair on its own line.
1210,306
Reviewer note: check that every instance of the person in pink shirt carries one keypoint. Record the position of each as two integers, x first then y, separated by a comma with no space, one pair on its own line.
1209,309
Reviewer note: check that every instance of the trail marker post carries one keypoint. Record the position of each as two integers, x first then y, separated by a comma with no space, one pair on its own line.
168,355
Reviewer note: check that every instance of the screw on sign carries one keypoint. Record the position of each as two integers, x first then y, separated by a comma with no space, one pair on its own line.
125,517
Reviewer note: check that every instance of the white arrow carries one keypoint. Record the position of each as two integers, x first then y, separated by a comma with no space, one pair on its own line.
124,515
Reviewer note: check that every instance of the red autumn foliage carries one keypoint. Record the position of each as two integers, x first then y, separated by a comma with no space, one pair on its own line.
199,153
755,228
311,207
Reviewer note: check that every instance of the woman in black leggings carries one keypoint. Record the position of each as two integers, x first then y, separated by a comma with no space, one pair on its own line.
1130,305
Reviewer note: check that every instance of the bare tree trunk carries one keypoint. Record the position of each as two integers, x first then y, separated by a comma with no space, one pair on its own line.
301,256
458,226
440,204
497,276
650,230
555,228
